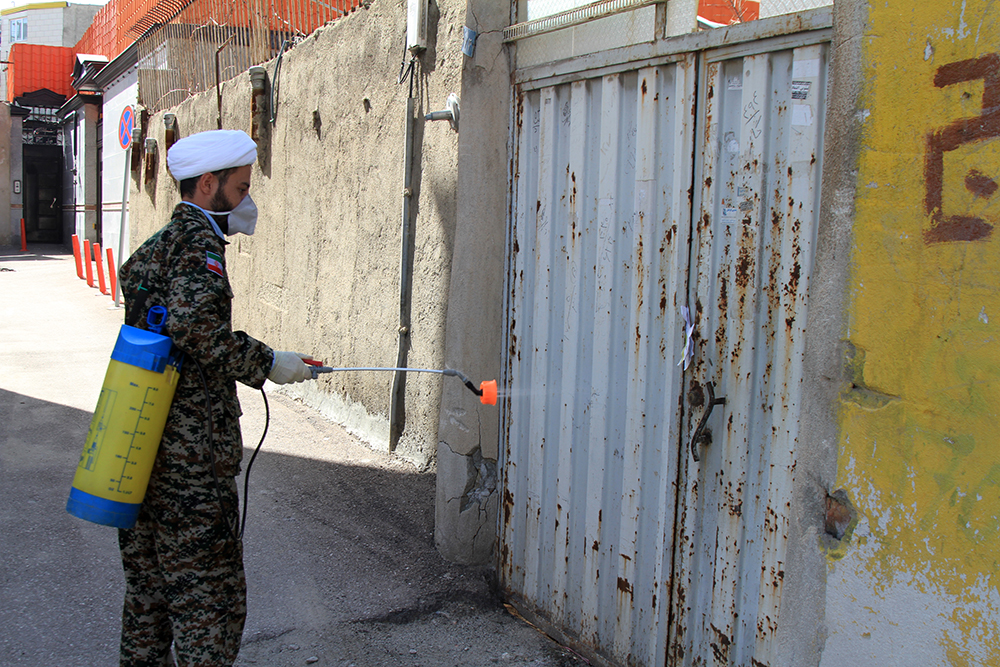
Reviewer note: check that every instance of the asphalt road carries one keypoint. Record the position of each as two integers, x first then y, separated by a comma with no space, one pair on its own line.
340,560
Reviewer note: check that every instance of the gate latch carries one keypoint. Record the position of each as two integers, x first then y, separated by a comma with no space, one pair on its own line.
700,433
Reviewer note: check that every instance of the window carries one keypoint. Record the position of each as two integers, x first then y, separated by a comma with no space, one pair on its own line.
18,30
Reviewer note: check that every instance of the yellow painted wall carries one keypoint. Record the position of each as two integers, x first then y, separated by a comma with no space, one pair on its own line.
920,433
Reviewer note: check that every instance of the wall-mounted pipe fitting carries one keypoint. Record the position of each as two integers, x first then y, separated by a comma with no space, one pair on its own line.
259,112
449,113
150,153
170,130
139,127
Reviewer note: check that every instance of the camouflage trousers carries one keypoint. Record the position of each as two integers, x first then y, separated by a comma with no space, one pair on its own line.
185,585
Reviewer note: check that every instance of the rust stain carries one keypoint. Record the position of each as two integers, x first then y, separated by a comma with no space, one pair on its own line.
793,279
744,266
640,289
644,87
720,648
720,332
624,586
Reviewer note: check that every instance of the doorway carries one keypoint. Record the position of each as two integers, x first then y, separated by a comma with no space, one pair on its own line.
43,193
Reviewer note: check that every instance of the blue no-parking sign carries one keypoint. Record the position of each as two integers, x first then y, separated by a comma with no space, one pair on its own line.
125,128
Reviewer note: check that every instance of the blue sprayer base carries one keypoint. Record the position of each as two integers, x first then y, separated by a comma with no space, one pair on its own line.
101,510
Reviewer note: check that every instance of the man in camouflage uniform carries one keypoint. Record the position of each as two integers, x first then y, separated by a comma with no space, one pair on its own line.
183,560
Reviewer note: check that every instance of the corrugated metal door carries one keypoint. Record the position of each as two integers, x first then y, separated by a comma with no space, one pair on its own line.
602,216
758,177
613,533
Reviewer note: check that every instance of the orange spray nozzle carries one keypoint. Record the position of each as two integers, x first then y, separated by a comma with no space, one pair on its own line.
489,392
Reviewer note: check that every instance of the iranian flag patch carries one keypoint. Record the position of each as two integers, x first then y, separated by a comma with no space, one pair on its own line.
213,262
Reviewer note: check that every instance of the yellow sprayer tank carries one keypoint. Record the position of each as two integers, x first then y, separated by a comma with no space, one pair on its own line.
125,431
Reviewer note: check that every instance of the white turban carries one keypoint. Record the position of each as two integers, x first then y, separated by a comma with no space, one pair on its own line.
210,151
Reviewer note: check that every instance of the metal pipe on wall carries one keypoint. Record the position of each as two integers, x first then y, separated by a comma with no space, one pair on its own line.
397,412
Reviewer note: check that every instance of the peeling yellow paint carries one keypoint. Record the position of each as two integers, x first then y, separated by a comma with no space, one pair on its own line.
920,454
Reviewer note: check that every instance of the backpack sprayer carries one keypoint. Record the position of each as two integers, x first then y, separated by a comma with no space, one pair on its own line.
127,426
128,423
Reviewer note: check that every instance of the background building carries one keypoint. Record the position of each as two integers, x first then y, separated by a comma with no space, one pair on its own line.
36,43
43,23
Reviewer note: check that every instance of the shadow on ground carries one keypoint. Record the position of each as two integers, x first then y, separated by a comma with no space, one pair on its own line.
340,559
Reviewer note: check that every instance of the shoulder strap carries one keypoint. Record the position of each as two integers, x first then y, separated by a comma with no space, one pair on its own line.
139,306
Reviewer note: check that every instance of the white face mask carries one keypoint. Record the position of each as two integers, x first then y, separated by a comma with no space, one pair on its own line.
242,219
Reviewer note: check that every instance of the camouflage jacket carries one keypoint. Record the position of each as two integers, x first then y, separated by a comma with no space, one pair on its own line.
183,267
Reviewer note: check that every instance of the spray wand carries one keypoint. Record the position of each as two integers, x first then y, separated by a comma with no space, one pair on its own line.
487,391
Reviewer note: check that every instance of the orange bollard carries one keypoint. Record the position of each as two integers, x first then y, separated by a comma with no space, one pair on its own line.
100,268
112,276
86,258
24,240
77,257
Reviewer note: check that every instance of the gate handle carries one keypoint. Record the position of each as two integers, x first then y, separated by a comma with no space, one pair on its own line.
698,432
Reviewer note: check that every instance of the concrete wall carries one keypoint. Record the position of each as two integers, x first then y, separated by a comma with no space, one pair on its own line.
86,173
75,21
916,417
467,502
813,544
16,174
6,182
321,273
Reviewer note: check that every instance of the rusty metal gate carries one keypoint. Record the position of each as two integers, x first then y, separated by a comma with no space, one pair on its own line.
663,217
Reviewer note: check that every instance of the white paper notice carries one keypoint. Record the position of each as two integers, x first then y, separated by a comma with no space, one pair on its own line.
688,352
802,114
